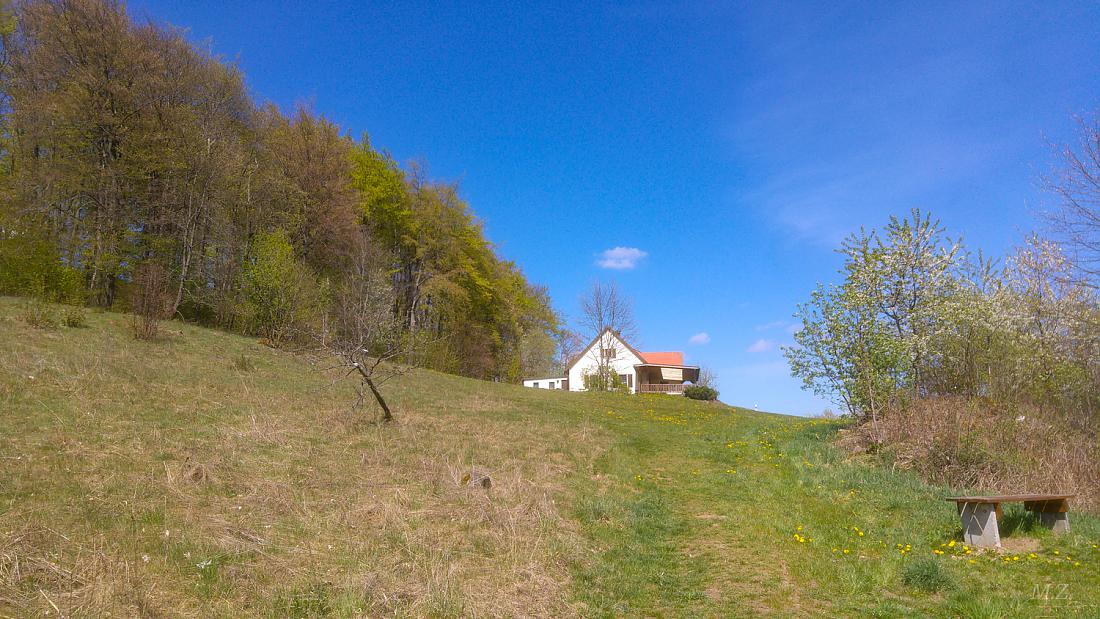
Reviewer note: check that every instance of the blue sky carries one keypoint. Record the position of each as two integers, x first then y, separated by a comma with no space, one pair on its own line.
724,148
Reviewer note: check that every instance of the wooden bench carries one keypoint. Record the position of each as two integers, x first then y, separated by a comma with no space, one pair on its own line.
980,514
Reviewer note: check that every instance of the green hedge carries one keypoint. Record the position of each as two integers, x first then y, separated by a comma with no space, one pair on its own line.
699,392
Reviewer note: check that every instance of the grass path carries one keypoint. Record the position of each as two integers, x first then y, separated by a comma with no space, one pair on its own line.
206,475
716,512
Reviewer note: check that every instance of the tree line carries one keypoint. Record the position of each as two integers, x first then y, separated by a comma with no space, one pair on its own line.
918,316
126,150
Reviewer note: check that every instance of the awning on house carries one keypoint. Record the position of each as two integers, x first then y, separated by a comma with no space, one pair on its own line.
670,373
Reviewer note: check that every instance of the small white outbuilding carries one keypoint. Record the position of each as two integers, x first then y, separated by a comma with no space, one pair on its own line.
547,383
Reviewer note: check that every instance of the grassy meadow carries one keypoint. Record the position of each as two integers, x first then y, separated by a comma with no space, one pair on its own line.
204,474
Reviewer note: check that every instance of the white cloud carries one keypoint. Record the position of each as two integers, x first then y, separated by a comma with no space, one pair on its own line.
768,326
761,345
621,258
700,338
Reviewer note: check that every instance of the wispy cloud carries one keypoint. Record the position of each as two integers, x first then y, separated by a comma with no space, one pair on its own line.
760,345
700,338
768,326
860,163
621,258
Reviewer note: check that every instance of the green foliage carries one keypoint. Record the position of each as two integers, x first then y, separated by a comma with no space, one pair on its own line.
701,392
844,351
39,314
185,170
75,317
279,292
926,574
384,199
604,379
30,266
641,484
915,316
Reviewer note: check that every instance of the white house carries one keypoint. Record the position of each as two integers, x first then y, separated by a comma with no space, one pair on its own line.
641,372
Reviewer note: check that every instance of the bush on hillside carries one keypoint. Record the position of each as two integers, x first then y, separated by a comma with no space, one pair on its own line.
927,575
75,317
150,300
31,267
970,443
40,315
700,392
604,380
280,293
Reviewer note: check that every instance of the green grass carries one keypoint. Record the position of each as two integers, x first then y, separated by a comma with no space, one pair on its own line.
206,475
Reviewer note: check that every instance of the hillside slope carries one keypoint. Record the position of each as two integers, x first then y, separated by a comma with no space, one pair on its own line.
204,474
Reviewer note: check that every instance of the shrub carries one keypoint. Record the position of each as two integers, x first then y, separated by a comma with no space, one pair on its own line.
242,363
150,303
75,317
927,575
40,315
699,392
30,266
605,379
280,293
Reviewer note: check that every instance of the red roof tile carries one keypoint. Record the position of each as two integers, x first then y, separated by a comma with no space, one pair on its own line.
663,358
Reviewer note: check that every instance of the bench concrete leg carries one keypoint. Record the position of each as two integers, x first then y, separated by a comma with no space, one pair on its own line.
1055,521
1052,514
979,523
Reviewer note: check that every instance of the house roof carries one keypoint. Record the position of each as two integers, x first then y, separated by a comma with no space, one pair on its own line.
663,358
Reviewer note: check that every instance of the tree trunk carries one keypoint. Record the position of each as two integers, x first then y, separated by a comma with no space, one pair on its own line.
387,416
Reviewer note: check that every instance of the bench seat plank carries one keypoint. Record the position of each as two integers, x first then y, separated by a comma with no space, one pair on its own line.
1010,498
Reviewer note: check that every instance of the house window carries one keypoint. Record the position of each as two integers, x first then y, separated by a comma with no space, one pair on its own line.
627,379
609,354
535,385
552,385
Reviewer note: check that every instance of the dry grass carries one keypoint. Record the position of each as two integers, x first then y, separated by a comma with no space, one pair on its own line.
204,474
970,444
165,479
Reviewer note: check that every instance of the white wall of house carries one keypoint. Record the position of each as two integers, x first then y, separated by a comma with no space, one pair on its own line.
622,362
545,383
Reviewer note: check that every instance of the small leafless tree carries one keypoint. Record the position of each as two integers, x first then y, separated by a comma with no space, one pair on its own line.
707,378
605,308
1076,183
150,300
568,345
367,335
